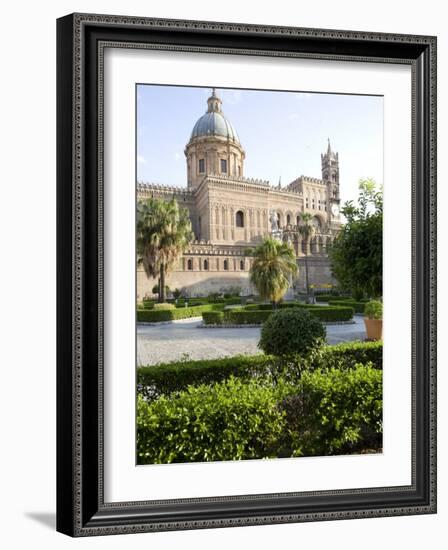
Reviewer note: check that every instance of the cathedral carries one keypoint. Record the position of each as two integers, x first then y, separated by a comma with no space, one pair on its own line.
230,213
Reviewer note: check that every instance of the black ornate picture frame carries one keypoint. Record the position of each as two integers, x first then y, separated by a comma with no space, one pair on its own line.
81,509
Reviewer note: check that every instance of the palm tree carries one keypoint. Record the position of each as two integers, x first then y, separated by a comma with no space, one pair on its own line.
271,270
163,232
306,230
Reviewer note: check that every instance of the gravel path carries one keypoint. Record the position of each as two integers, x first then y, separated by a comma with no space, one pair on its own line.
186,339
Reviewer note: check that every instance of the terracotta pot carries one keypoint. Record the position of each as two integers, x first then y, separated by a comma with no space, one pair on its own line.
374,328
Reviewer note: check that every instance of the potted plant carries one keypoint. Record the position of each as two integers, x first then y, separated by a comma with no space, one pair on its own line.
373,319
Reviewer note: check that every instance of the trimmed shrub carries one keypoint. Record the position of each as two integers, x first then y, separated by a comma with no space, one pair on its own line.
334,412
325,314
167,378
232,301
215,297
291,331
204,301
348,354
357,306
191,302
162,306
213,317
232,420
331,314
258,307
154,316
239,316
325,413
332,297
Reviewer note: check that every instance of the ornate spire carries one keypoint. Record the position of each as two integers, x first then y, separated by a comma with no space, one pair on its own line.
214,102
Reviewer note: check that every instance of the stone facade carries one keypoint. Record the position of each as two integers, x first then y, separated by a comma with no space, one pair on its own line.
230,212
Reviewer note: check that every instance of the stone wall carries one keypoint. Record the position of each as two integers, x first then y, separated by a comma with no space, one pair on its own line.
199,283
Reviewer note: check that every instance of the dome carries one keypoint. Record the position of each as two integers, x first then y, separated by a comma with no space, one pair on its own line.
214,123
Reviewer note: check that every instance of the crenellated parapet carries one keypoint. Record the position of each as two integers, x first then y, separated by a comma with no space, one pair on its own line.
297,184
148,188
240,179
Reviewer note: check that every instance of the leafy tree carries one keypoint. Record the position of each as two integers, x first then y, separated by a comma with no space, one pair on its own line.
306,230
356,254
163,232
273,266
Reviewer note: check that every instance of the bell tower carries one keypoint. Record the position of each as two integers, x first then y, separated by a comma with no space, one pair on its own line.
330,175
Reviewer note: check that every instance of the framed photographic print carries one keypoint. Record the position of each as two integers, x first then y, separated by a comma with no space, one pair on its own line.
246,274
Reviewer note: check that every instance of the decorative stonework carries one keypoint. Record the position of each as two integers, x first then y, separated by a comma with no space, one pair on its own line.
230,211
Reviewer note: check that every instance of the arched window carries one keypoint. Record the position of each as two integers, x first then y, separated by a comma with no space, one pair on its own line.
278,220
224,166
288,219
239,219
205,265
190,265
226,265
316,222
242,265
297,220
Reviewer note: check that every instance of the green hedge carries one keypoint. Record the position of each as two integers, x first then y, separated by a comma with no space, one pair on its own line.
258,307
333,412
357,306
258,314
161,306
166,378
326,413
213,317
348,354
154,316
239,316
204,301
332,313
232,420
332,297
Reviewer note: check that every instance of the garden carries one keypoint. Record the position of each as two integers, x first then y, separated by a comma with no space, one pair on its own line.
299,396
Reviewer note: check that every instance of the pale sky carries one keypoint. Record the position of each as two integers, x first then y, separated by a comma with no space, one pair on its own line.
283,133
